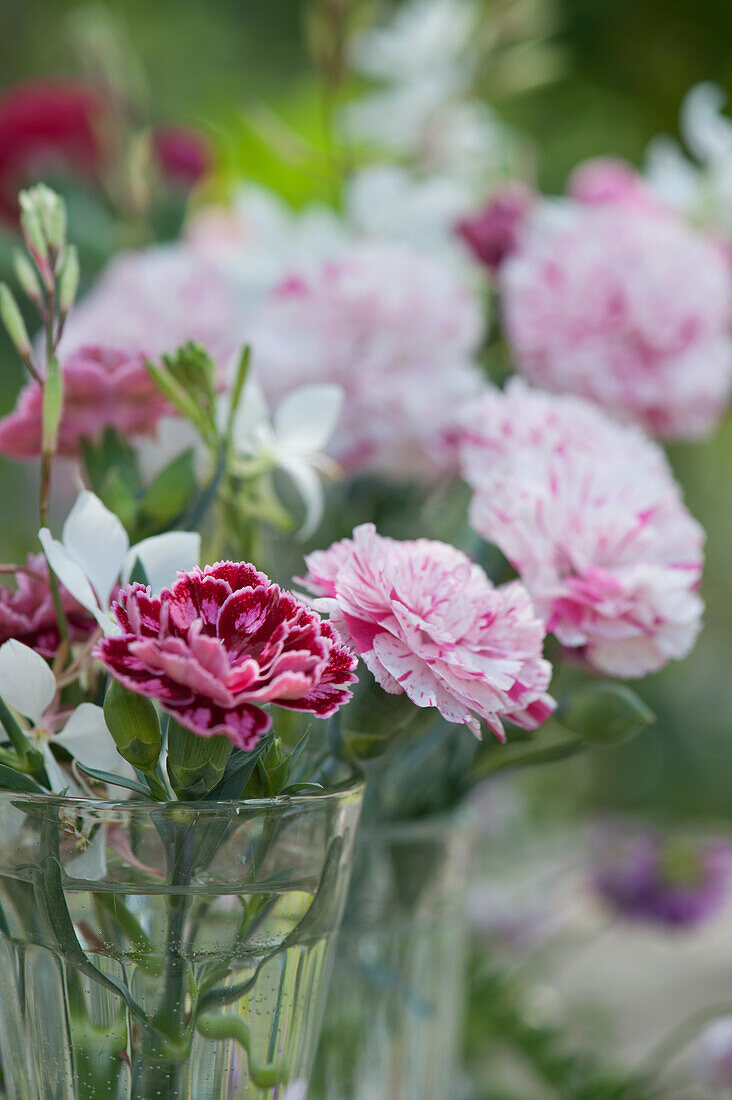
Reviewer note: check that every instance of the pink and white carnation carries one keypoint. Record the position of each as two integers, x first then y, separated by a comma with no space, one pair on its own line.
588,513
398,332
155,300
627,306
607,181
427,621
103,388
220,644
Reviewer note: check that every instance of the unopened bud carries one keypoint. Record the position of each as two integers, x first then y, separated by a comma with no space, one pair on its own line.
14,323
195,764
133,722
52,212
26,276
68,283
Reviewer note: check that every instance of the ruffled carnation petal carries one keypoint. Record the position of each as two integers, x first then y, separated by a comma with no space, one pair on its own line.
222,642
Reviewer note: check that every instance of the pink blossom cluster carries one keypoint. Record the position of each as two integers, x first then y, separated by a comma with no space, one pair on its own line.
588,513
611,296
153,301
103,388
399,332
28,613
222,643
427,621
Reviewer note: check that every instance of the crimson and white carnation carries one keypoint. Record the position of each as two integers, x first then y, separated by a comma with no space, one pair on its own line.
398,332
220,644
625,305
588,513
427,621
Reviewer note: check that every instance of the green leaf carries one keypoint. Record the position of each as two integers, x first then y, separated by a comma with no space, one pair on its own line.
134,724
171,492
120,497
242,372
10,780
605,713
115,780
111,452
232,786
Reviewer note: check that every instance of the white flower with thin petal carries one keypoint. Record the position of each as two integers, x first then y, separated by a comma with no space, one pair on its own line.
28,685
700,186
293,440
94,553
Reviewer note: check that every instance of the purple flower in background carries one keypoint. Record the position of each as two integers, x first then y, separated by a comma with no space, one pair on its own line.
673,881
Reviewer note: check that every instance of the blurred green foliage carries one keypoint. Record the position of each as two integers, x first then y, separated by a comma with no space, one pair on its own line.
226,64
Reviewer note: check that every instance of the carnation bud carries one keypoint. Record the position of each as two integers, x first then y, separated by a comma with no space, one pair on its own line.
31,225
14,323
68,283
133,722
195,764
52,212
606,714
26,276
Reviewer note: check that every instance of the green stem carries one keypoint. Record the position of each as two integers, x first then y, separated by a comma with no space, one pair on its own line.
264,1074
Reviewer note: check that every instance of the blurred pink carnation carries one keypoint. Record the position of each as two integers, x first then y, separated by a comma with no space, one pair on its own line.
588,513
492,233
219,645
27,612
428,622
625,306
609,181
398,332
155,300
103,388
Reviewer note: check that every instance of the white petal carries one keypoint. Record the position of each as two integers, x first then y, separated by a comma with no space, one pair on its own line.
163,555
71,576
87,738
309,488
706,130
26,681
61,782
306,419
96,540
252,429
91,864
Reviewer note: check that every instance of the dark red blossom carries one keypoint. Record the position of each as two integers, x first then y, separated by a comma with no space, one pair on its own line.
184,156
46,124
492,233
51,124
220,644
27,611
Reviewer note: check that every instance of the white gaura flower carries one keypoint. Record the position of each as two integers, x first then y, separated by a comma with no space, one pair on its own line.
28,685
700,187
388,202
94,553
293,440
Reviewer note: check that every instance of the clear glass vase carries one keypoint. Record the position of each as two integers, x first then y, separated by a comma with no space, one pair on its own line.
393,1019
177,952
